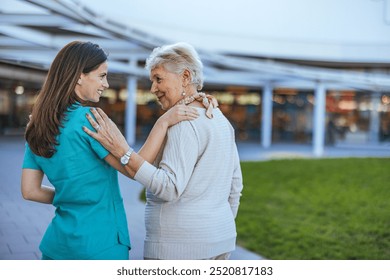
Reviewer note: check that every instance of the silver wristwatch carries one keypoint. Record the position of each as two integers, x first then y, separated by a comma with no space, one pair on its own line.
126,157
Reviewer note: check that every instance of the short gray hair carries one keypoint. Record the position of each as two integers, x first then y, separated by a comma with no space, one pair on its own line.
176,58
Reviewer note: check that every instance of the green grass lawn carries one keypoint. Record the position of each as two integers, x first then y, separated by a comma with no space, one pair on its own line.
316,209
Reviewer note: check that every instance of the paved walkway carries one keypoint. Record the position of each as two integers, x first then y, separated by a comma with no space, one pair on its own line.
22,223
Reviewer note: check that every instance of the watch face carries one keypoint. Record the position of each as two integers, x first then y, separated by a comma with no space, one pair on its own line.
124,160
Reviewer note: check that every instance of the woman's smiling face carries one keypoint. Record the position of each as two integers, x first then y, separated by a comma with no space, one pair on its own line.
91,85
167,87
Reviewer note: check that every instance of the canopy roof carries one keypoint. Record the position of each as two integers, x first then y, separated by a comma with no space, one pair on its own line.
32,36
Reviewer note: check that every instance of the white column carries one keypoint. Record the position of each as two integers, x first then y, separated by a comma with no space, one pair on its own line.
373,135
319,120
131,110
266,120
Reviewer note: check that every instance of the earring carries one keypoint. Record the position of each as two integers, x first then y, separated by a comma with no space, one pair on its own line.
183,93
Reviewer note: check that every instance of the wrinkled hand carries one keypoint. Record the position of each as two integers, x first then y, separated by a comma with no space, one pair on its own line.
107,133
179,113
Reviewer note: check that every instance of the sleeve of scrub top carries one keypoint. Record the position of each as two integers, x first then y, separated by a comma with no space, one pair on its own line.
95,145
29,159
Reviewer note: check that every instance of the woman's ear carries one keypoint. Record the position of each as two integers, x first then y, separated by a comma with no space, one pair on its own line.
186,77
81,78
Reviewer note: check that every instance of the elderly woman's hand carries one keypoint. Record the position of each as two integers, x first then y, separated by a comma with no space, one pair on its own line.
107,133
177,114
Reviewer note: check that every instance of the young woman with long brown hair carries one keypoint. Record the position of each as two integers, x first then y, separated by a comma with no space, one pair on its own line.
90,220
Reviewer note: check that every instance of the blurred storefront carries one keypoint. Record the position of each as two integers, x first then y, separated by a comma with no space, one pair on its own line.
352,117
16,100
292,116
358,117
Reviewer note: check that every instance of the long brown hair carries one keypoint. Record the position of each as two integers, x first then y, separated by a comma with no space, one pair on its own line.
58,93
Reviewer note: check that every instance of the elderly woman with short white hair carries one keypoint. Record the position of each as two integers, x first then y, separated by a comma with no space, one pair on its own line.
194,183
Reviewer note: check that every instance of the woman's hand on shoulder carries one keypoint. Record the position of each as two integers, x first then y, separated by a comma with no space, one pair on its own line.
107,133
177,114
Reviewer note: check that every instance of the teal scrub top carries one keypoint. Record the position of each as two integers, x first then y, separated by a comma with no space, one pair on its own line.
89,216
